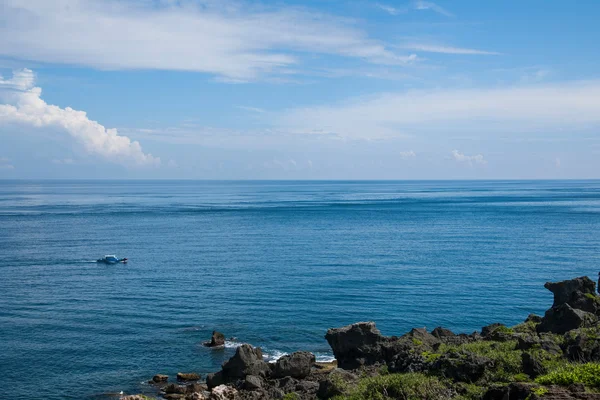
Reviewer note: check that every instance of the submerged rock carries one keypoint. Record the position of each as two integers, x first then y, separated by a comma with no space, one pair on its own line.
188,376
160,378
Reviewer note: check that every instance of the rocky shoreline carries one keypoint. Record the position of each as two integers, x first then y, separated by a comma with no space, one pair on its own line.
556,356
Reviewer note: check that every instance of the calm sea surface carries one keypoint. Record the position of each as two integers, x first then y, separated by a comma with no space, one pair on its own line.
273,264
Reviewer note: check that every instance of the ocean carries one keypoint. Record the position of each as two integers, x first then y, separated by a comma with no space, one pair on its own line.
272,263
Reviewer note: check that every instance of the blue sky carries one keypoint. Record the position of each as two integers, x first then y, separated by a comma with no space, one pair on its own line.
329,89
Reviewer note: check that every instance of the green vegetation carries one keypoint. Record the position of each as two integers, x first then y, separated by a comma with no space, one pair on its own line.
291,396
525,327
470,391
430,357
417,342
410,386
507,360
588,374
504,329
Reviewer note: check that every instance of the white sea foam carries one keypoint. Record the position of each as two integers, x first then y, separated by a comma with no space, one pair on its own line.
232,344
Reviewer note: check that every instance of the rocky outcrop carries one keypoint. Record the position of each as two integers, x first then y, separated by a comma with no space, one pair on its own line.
579,293
217,340
296,365
564,318
357,344
247,360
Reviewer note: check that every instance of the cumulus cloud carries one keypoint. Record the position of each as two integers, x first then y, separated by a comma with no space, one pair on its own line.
237,41
526,108
21,103
461,158
406,155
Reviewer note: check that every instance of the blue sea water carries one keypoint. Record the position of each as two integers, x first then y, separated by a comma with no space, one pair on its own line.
273,264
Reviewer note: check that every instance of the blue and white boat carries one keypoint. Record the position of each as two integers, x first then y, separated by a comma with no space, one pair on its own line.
111,259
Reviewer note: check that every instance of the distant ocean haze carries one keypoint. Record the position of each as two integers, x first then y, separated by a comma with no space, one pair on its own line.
273,264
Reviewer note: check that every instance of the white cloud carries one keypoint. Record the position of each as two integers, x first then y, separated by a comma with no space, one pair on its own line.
389,9
526,108
237,41
252,109
405,155
557,162
429,48
21,103
427,5
416,5
5,164
460,157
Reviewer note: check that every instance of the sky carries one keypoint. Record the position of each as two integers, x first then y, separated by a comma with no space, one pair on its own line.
321,89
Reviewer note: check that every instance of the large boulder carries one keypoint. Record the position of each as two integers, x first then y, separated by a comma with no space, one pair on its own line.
247,360
296,365
563,318
579,293
357,344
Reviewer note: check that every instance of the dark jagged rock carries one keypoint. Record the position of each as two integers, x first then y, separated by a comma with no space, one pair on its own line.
532,366
297,365
357,344
514,391
215,379
420,336
174,389
487,330
217,340
583,345
579,293
545,341
563,318
252,382
441,333
536,319
188,376
195,388
362,344
247,360
462,367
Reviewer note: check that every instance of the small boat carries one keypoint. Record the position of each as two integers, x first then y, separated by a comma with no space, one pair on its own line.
111,259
